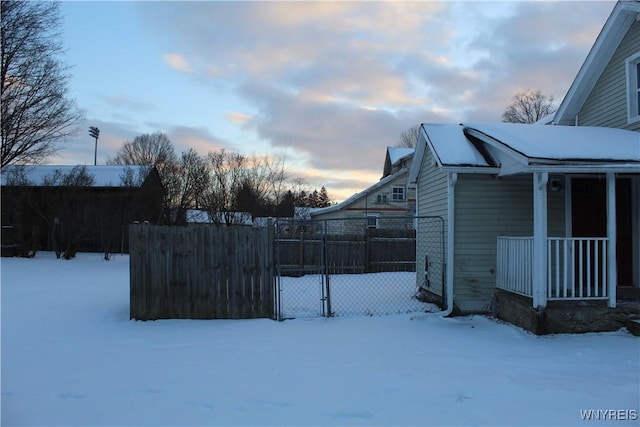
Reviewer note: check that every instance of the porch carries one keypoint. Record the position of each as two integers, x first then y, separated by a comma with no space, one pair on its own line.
576,269
577,295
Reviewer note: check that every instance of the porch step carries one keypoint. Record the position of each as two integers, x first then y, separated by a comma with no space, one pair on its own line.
633,326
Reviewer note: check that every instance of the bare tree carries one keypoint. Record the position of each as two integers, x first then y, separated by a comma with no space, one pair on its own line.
149,149
529,106
78,176
186,184
227,176
255,184
154,149
36,112
409,138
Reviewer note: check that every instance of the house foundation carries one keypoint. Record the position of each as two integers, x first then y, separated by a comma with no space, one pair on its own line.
564,316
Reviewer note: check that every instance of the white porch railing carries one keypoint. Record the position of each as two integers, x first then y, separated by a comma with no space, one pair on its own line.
515,265
576,267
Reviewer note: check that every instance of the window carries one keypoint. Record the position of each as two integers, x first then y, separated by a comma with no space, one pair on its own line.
372,220
381,198
397,194
633,88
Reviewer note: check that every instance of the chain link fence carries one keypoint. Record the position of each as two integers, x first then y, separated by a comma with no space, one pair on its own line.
342,267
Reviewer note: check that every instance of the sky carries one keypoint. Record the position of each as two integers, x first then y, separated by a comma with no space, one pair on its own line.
326,86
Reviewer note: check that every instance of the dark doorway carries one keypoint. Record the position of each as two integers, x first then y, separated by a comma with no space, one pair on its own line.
589,218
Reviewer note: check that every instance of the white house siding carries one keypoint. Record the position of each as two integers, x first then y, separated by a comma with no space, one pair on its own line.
487,207
432,200
606,105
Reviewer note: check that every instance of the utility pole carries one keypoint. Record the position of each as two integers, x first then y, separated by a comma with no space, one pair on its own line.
94,132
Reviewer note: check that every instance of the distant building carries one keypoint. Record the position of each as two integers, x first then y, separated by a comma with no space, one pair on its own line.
386,204
76,208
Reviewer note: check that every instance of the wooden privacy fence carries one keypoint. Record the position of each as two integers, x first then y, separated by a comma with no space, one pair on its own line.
374,251
201,272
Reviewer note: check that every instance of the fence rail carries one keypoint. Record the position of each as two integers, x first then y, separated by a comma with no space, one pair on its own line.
576,267
201,272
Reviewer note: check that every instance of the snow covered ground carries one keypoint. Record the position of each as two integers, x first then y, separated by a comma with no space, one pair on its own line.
371,294
71,356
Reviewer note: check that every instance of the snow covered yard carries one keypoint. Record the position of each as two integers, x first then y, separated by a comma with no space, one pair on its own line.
71,356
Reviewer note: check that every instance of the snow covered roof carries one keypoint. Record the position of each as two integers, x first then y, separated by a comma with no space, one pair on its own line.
103,176
358,196
451,146
198,216
564,143
398,153
508,148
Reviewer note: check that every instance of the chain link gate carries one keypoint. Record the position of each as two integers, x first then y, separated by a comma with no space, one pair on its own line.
343,267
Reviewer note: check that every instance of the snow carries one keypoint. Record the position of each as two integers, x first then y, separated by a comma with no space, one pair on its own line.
451,146
71,356
565,142
352,294
398,153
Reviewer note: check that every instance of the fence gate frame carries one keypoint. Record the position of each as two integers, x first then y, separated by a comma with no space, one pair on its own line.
287,230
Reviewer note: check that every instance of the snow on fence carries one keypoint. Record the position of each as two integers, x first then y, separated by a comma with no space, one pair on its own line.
201,272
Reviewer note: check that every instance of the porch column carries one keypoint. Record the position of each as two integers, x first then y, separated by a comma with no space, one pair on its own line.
539,273
612,270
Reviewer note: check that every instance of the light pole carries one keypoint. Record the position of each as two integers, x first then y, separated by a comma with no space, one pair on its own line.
94,132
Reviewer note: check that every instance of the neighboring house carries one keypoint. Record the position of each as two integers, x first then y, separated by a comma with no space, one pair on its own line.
606,91
198,216
386,204
76,208
543,222
396,159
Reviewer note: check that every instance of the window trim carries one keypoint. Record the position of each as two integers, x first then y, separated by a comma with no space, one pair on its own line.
393,193
633,88
375,216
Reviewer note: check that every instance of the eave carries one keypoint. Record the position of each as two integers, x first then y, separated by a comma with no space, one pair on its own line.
624,14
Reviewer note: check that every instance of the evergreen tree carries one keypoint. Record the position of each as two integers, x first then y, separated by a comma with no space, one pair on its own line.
323,198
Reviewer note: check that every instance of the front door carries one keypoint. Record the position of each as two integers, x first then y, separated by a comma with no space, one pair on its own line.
589,218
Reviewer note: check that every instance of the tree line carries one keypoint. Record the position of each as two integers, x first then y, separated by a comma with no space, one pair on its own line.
221,183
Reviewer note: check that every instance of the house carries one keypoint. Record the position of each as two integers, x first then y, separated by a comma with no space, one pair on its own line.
76,208
386,204
543,221
201,216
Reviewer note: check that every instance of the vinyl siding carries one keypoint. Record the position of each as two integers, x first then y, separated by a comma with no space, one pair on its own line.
432,201
368,204
606,105
487,207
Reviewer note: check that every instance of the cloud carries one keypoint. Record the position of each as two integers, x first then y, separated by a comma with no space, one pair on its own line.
337,82
124,102
177,62
198,138
238,118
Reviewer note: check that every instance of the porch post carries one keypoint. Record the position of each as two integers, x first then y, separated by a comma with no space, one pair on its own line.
539,274
612,270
